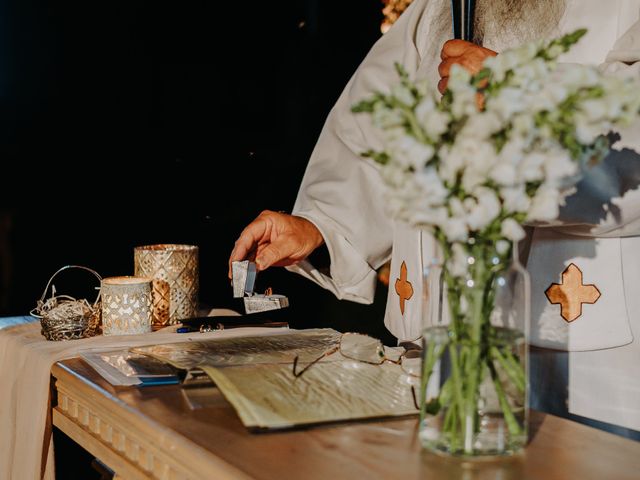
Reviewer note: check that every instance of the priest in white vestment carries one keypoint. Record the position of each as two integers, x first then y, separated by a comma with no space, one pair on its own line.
587,369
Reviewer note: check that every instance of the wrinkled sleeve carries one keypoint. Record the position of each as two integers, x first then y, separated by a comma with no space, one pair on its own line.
607,200
342,192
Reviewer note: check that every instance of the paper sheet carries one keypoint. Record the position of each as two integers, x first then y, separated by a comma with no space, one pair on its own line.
279,348
269,396
255,375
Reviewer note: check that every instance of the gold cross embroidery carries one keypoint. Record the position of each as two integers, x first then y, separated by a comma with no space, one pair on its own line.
572,293
404,289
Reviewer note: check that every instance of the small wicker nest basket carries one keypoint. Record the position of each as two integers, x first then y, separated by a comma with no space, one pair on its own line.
63,317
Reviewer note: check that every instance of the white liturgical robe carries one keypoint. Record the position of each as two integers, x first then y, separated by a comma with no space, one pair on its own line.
588,367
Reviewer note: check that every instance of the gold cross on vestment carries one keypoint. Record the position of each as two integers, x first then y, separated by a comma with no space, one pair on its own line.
572,293
404,289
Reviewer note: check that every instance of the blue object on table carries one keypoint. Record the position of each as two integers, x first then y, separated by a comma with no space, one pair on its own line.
153,381
6,322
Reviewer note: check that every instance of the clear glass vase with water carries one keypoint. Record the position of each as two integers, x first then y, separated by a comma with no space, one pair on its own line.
474,393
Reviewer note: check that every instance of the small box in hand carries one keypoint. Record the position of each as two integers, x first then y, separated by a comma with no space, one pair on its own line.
244,276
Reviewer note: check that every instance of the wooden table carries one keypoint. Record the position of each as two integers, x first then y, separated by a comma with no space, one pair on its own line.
152,433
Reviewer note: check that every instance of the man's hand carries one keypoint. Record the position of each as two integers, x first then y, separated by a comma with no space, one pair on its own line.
466,54
276,239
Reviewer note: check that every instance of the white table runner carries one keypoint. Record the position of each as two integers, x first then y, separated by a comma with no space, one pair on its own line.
26,358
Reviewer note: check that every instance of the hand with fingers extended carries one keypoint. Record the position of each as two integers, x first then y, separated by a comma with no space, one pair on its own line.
276,239
459,52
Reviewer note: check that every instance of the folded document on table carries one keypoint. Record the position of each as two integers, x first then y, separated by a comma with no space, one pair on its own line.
255,375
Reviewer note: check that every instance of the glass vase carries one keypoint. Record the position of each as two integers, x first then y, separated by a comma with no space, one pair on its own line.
474,393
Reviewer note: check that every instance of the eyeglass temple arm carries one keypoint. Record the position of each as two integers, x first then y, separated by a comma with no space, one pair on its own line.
398,361
309,365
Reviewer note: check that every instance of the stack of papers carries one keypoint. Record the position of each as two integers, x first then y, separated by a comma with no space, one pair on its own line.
122,367
255,375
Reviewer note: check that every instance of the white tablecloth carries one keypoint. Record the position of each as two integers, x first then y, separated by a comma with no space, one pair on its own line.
26,358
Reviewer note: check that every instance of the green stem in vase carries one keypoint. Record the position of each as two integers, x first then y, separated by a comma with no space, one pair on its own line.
513,371
432,355
457,401
451,426
509,418
473,364
476,352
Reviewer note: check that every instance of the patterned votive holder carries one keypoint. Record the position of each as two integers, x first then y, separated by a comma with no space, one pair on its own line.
174,270
126,305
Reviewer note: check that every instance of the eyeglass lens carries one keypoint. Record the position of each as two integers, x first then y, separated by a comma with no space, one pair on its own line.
362,348
412,362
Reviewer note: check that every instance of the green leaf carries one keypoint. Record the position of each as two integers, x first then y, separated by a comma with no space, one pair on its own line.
379,157
364,106
433,406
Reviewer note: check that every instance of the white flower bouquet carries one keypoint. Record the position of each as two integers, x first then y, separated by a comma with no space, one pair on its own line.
500,149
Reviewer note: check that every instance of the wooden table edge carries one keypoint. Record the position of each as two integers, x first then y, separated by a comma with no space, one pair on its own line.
118,435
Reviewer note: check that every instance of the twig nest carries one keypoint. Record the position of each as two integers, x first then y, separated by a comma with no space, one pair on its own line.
66,318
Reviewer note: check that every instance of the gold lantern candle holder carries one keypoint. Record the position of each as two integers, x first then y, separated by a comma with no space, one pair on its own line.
174,270
126,305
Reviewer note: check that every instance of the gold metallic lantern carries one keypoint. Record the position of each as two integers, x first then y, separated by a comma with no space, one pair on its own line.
126,305
174,270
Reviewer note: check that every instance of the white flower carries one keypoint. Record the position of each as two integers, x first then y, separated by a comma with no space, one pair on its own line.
515,199
464,95
423,87
424,108
541,102
555,51
393,134
393,175
472,177
456,207
508,102
455,229
403,94
511,230
586,131
523,123
478,154
510,59
576,76
497,67
558,165
428,216
475,157
486,209
411,153
435,124
513,151
431,185
531,75
535,111
434,121
482,125
504,173
594,109
502,246
385,118
545,132
545,205
556,92
530,168
449,164
459,80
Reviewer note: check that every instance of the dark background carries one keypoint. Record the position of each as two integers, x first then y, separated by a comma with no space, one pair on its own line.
128,122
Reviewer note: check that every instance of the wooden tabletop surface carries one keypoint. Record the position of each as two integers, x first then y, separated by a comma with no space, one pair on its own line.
559,449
